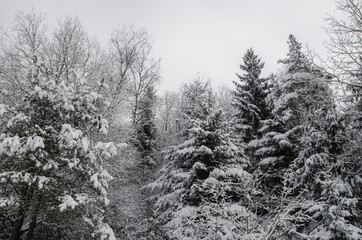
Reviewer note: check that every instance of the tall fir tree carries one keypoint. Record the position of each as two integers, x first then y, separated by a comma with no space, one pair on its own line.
327,179
145,127
297,93
249,97
203,177
303,143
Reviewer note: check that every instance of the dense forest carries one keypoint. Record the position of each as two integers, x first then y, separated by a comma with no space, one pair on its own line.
90,150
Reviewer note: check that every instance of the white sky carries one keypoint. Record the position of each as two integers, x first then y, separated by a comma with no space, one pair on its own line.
208,37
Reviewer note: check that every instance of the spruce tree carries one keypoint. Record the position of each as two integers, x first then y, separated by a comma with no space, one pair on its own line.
303,144
297,93
249,97
327,179
145,127
201,186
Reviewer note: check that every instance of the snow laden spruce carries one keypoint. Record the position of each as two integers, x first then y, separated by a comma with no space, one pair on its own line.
200,186
201,190
303,144
50,169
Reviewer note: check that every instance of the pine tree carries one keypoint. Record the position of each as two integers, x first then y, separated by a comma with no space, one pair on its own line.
329,182
303,143
201,186
249,97
145,127
203,173
50,169
196,99
296,94
330,145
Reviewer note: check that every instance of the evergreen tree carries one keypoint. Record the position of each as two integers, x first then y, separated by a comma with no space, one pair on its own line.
196,99
249,97
303,143
145,127
296,94
50,169
328,181
329,162
200,188
202,175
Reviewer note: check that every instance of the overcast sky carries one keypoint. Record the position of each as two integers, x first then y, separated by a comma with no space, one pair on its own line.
205,37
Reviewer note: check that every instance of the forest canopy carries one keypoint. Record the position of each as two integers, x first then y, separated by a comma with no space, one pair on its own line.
90,150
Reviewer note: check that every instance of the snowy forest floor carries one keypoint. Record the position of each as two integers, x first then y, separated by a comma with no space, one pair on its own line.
130,210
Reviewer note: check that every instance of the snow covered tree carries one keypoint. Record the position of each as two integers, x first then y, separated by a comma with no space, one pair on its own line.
297,93
304,142
145,128
50,170
168,109
203,184
68,48
249,97
329,156
344,48
18,46
324,179
330,183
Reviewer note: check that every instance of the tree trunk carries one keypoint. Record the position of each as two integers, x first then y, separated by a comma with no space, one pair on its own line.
16,232
32,226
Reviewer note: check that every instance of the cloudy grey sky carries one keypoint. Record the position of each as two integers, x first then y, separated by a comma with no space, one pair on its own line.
205,37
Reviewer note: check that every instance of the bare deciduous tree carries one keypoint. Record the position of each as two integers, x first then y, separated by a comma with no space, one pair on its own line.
144,74
126,45
168,110
18,47
131,68
344,63
73,50
346,41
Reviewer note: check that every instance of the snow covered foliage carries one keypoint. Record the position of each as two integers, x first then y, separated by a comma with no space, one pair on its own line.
276,158
65,48
17,49
50,169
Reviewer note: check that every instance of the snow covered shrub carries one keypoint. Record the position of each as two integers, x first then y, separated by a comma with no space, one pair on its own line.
50,170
